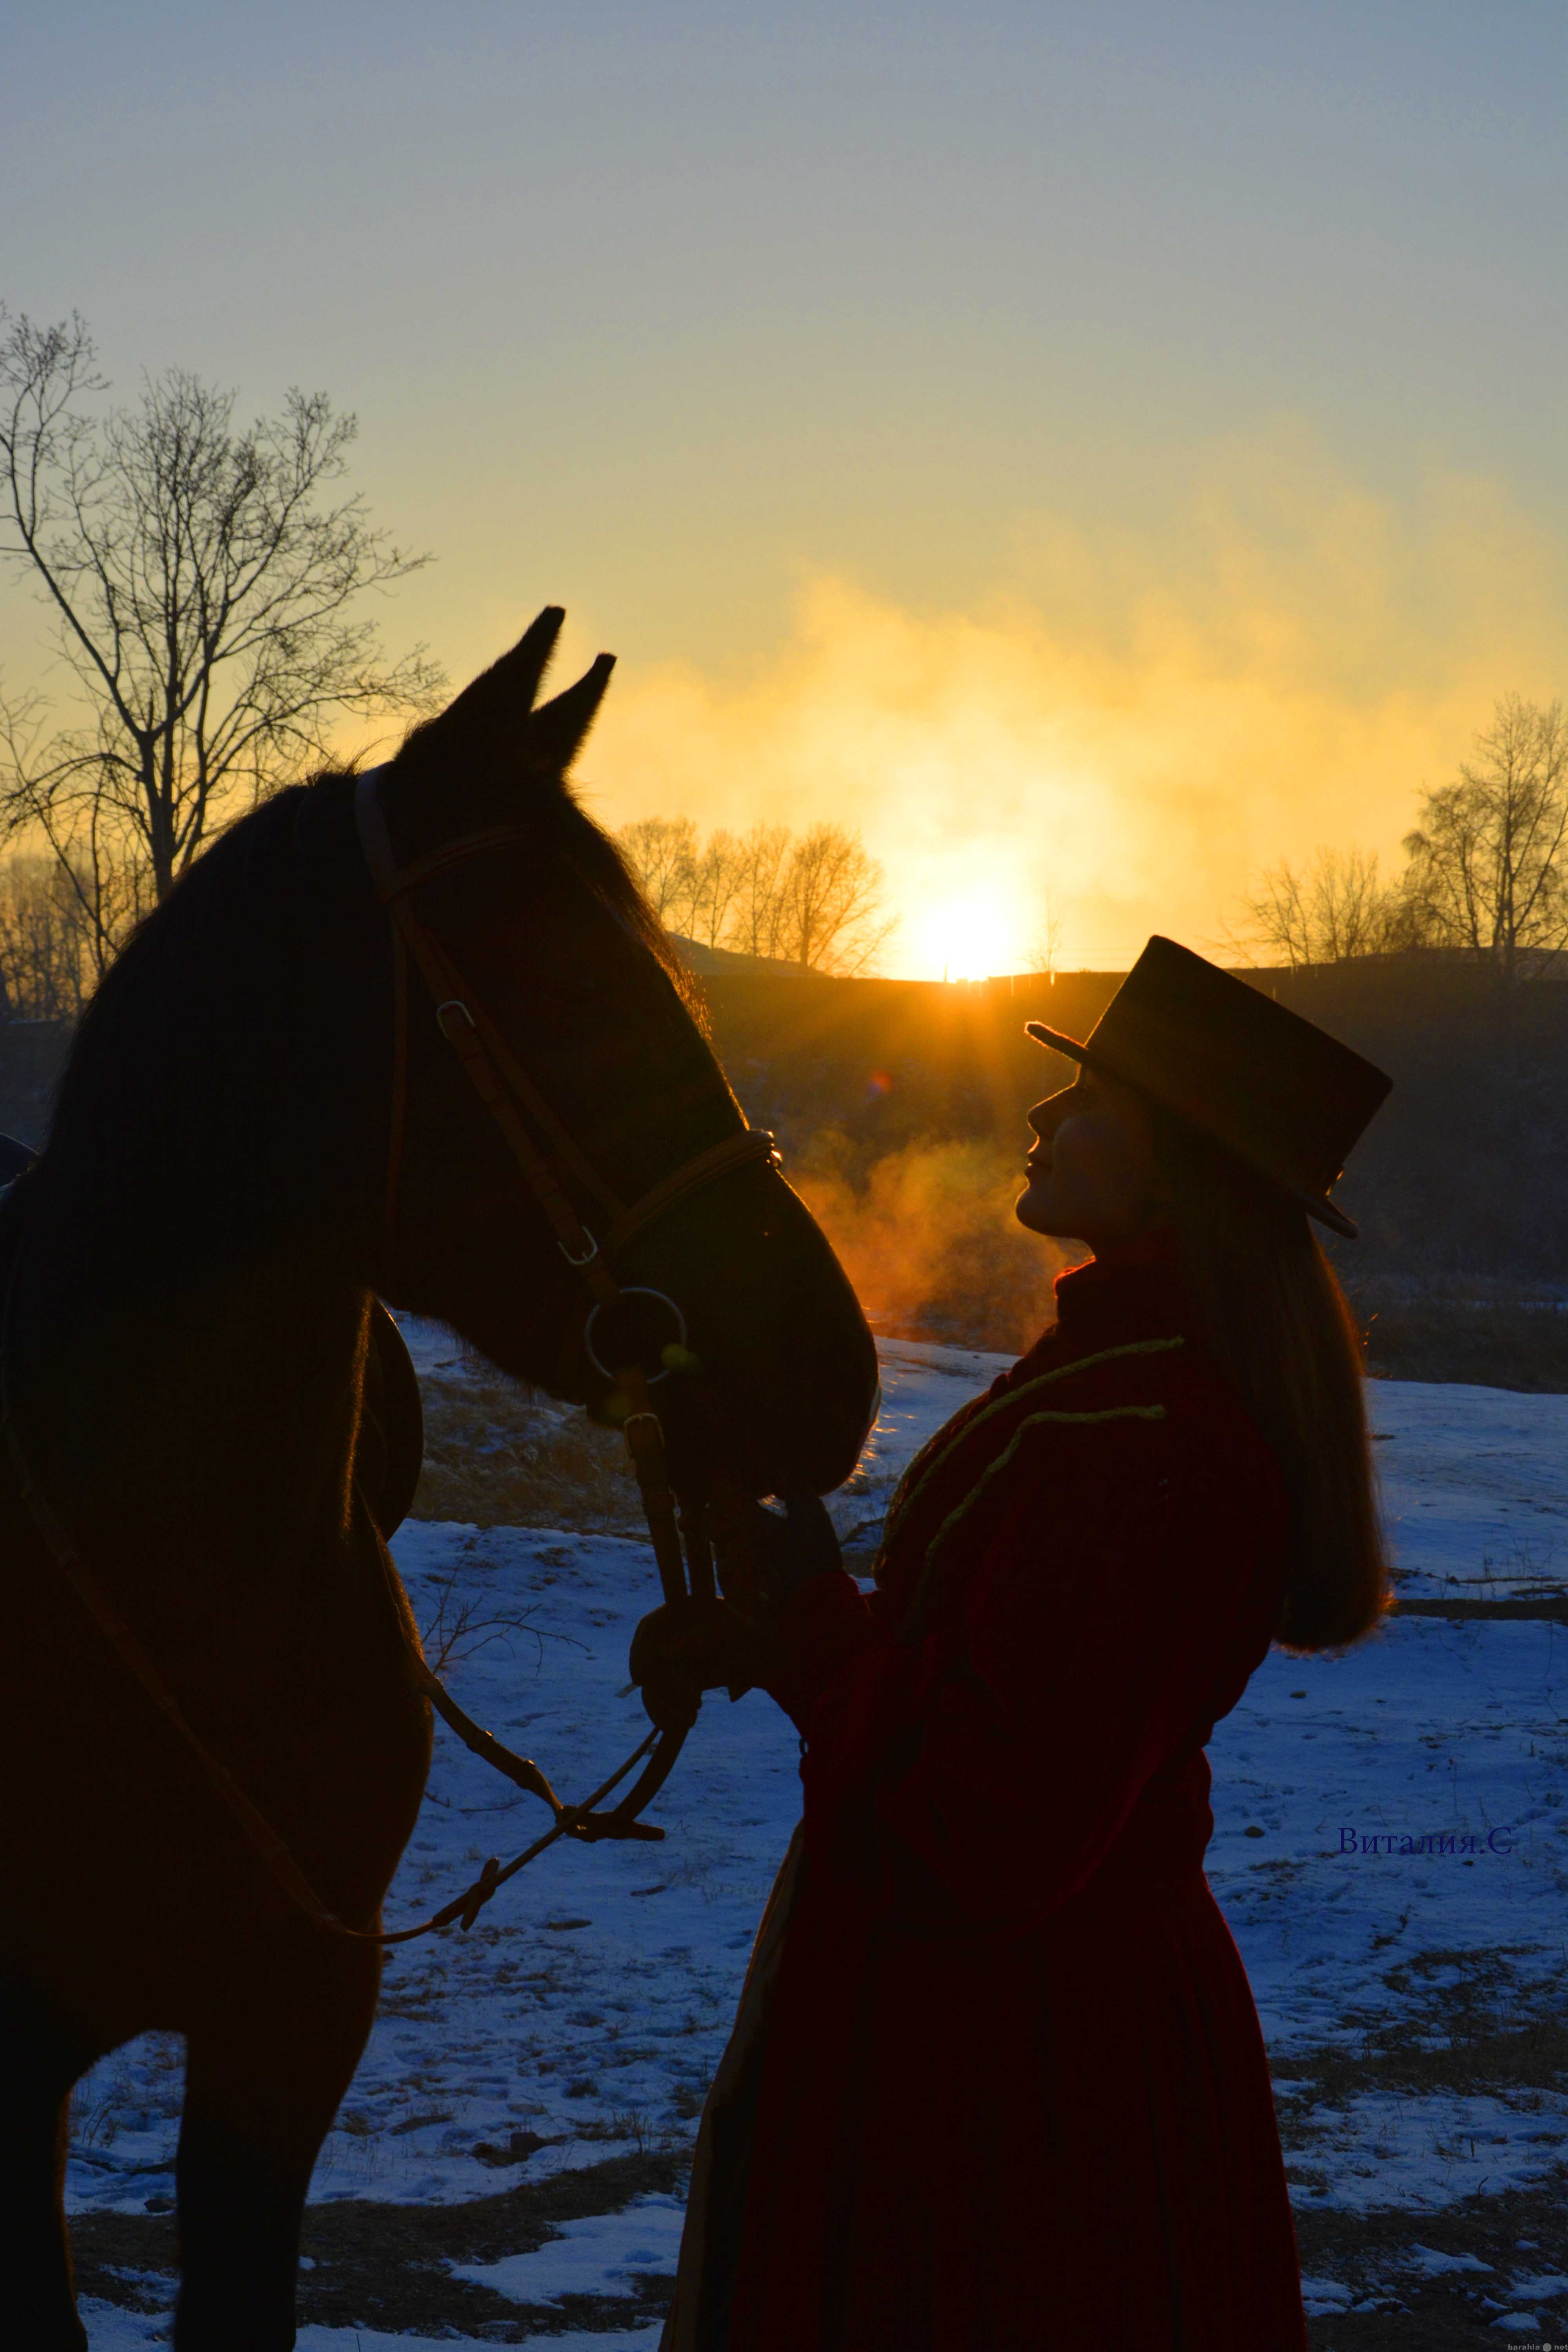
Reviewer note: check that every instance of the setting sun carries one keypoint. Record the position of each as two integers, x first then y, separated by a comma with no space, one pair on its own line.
967,937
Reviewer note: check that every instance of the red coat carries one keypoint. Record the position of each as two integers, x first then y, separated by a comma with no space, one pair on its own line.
1013,2090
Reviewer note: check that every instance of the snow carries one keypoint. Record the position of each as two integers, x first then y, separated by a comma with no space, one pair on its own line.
1422,2153
1321,2298
1432,1730
603,2255
922,1386
1433,2264
111,2329
1325,2298
1475,1484
589,2005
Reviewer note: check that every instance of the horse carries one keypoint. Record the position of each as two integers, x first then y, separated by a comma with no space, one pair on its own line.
262,1131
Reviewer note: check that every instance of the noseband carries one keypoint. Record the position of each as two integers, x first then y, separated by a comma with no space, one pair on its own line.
550,1162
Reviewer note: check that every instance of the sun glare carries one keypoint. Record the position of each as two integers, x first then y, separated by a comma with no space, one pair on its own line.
967,938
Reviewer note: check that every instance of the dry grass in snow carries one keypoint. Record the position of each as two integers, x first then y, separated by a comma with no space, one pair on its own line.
500,1454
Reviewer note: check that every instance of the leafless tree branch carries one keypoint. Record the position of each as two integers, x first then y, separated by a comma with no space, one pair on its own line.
815,900
1487,858
201,576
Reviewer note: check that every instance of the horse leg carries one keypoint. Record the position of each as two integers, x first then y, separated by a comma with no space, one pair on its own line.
40,2059
262,2084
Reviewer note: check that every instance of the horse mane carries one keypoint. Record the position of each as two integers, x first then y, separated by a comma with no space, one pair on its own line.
167,1136
594,858
161,1133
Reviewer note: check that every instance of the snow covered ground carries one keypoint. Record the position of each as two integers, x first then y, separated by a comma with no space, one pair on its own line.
1391,1839
110,2328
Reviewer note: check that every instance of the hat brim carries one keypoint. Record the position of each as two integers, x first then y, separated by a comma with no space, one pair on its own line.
1316,1204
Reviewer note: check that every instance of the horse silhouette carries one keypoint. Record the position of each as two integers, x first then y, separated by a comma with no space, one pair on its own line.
203,1386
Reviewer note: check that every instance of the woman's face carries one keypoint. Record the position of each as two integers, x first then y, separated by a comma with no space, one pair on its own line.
1092,1176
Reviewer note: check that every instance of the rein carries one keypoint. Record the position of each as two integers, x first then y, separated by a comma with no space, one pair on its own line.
548,1166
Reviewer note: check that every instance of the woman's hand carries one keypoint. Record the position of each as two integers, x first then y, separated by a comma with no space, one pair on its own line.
689,1646
765,1556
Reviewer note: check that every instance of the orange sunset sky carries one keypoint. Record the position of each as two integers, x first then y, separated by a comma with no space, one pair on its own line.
1096,450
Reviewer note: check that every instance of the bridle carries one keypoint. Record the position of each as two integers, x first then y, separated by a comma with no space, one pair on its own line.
548,1155
552,1164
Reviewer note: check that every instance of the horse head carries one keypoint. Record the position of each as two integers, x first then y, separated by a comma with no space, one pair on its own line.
532,926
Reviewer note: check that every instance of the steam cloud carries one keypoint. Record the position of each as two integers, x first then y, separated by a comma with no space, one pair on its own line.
1138,722
928,1240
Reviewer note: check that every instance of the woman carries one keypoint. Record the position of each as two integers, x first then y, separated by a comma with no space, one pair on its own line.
997,2078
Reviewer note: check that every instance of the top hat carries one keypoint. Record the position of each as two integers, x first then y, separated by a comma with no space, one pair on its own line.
1278,1091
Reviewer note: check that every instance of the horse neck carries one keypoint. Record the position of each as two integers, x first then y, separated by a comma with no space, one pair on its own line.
209,1422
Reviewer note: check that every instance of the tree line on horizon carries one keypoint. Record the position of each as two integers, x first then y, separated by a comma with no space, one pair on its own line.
202,574
1485,874
813,899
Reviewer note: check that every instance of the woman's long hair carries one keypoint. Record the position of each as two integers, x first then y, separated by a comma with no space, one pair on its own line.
1272,1314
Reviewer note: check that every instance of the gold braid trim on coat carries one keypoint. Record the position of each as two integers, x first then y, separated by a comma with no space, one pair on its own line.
925,1461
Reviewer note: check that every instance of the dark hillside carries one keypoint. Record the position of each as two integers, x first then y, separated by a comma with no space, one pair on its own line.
1464,1175
891,1062
1465,1170
900,1105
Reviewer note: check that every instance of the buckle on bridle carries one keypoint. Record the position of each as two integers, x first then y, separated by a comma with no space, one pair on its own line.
589,1254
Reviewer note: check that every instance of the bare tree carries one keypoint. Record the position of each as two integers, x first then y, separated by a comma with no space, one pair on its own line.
45,961
1328,912
832,903
1487,860
200,586
52,918
758,921
101,876
1274,923
717,879
662,853
815,900
1045,948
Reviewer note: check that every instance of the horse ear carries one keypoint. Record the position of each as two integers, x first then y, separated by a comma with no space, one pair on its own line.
557,729
488,723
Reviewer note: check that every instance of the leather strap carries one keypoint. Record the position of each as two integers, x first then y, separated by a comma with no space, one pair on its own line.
497,1077
583,1822
495,1072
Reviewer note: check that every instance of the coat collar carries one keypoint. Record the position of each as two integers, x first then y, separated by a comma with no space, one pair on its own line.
1125,1296
1133,1291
